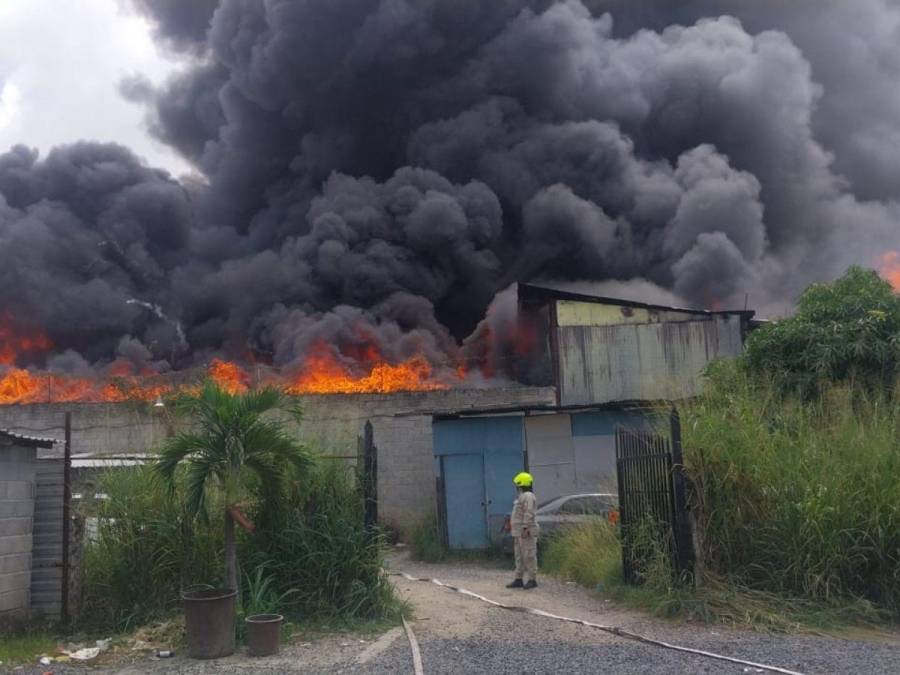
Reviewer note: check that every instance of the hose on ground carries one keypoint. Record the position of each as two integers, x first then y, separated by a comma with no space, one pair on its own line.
614,630
414,646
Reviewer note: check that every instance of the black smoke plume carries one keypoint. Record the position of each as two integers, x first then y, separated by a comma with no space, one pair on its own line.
385,167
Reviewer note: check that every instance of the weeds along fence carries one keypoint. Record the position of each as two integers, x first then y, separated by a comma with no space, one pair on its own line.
798,497
796,508
310,553
652,500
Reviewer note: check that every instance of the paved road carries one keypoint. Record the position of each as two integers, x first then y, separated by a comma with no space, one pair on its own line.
461,635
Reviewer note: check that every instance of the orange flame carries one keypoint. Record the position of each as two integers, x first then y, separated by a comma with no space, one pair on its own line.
229,376
14,341
19,386
889,268
322,373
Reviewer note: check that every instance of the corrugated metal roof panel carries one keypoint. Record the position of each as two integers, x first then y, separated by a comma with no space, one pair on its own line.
532,295
28,441
46,562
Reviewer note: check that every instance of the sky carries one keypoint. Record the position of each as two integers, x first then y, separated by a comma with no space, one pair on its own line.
61,62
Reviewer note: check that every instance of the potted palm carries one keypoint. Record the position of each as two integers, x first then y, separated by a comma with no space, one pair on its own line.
232,443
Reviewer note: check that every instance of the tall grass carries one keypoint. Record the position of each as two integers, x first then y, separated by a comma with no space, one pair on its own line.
589,553
425,542
309,558
312,540
798,497
796,504
145,552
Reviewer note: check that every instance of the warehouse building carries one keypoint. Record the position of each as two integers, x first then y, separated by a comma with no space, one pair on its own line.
608,362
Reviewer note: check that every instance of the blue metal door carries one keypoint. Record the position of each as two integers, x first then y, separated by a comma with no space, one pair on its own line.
464,490
503,458
480,457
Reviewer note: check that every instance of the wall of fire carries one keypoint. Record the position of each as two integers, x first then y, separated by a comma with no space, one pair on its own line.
598,352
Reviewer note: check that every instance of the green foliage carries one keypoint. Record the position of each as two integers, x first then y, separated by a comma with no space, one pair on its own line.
798,497
589,553
309,558
235,446
848,330
260,596
24,647
426,543
311,538
147,549
797,506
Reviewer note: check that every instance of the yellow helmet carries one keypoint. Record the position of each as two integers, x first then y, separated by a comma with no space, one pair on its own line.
523,479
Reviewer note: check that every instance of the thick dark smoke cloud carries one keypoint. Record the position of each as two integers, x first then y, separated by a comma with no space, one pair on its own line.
384,168
83,234
181,24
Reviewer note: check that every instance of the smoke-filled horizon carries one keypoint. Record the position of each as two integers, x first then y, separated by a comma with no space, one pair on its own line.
377,171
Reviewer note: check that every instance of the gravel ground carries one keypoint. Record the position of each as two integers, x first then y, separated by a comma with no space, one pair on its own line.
459,634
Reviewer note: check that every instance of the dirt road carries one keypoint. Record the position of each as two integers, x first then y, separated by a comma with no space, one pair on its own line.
459,634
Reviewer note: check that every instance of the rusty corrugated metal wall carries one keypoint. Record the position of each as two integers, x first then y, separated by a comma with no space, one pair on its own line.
609,353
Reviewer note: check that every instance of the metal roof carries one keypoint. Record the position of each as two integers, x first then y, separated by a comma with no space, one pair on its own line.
28,441
529,410
533,294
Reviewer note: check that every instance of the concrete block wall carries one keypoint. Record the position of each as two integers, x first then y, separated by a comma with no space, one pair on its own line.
332,425
402,433
17,474
97,428
406,485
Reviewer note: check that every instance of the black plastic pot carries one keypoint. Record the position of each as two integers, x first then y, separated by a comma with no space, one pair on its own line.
209,622
264,634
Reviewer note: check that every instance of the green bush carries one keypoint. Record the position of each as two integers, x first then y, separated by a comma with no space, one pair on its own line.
797,497
797,508
589,553
147,549
848,330
309,558
312,541
426,543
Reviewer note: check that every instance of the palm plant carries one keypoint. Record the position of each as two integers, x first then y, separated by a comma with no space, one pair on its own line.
232,443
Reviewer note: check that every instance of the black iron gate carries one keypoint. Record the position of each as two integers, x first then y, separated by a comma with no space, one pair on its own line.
367,472
652,499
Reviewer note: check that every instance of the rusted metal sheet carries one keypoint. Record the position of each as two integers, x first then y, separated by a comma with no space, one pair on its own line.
600,364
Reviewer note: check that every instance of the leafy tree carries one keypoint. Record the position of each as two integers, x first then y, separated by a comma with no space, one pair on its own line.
233,444
845,330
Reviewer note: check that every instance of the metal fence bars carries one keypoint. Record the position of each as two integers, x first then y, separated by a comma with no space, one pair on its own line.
653,509
367,476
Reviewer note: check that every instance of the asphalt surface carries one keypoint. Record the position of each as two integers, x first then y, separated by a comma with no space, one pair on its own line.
459,634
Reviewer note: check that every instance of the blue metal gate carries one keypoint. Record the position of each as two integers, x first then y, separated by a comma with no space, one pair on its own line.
477,459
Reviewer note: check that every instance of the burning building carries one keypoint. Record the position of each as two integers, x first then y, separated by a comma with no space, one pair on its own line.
591,363
372,179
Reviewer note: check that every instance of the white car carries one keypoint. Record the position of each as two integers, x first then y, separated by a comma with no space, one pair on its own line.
570,510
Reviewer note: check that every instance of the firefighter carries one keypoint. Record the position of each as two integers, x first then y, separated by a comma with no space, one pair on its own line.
524,529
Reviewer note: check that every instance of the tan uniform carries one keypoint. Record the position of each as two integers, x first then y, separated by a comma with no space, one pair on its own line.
524,529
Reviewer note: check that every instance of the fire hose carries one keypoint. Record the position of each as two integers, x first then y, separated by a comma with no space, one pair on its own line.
614,630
